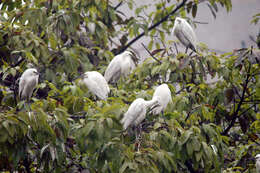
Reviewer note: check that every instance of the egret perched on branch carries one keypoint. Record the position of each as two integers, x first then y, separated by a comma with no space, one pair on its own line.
184,32
96,83
164,96
257,163
121,65
27,83
136,113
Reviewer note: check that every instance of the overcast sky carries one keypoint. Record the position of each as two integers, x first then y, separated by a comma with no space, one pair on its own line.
228,30
224,33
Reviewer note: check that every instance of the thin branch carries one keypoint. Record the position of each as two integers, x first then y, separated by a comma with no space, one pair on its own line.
151,54
175,45
75,117
18,62
236,91
250,101
118,5
190,112
153,26
245,111
205,23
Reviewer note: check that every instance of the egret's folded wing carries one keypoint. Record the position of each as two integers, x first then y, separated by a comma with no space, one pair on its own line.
21,86
189,34
102,81
132,114
97,89
31,83
113,69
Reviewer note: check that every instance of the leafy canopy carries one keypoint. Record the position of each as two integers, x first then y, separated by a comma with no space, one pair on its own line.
209,127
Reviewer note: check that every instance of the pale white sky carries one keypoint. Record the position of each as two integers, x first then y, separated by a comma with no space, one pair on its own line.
224,33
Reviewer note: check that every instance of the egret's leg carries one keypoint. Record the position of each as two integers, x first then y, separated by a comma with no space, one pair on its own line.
24,104
177,51
186,50
138,136
191,53
29,109
29,105
163,116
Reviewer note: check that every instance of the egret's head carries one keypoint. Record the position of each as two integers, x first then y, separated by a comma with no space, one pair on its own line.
127,53
257,157
178,20
132,55
33,72
84,75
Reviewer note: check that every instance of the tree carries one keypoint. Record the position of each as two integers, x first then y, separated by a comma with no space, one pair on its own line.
210,127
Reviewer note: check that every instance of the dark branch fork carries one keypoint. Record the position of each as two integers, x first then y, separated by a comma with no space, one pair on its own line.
235,114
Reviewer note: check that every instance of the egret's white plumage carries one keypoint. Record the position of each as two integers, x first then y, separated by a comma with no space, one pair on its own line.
27,83
97,84
257,163
164,96
121,65
185,33
136,113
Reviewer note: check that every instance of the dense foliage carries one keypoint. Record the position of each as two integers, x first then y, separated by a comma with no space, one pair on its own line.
209,127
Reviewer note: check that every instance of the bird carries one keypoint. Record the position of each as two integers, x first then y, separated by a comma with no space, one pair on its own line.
163,93
121,65
97,84
257,163
27,83
136,113
185,33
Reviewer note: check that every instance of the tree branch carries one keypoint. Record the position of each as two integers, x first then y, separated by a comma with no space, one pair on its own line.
191,111
235,114
151,54
153,26
118,5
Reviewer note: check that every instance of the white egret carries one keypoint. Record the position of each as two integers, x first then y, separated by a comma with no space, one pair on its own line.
27,83
257,163
136,113
184,32
121,65
97,84
163,94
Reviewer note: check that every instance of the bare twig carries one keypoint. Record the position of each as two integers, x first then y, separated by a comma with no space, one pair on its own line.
151,54
205,23
245,111
118,5
175,45
18,62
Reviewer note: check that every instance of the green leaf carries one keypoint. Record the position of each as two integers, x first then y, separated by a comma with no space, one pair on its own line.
189,148
43,150
89,126
123,167
185,136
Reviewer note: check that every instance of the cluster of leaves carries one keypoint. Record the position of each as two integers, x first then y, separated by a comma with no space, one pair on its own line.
209,127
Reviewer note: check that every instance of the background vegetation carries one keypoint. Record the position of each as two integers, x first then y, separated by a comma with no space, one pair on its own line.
210,127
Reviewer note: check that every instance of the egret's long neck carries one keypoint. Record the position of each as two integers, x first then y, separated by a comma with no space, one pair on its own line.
152,102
